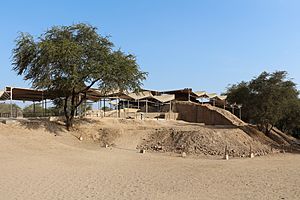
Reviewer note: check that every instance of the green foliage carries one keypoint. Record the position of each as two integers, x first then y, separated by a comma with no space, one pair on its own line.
291,120
33,108
240,94
58,108
5,108
268,100
106,108
68,60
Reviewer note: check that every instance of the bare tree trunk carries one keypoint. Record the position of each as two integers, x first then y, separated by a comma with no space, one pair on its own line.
269,128
70,113
260,127
266,128
67,115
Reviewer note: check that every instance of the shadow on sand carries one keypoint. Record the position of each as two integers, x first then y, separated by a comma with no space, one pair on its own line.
55,127
35,124
279,141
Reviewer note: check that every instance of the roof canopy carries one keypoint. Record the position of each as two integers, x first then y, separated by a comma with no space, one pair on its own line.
212,95
180,91
24,94
140,95
4,95
165,98
221,97
201,94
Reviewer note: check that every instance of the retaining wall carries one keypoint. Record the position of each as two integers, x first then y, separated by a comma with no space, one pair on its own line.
207,114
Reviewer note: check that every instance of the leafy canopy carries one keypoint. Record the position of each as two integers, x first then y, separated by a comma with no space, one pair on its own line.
267,99
73,57
68,60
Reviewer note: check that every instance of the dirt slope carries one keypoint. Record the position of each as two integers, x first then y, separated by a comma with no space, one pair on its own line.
178,136
165,136
226,114
205,141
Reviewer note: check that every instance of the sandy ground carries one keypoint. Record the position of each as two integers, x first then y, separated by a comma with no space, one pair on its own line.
38,165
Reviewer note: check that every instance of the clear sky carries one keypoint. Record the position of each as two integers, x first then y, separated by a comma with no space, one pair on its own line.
205,45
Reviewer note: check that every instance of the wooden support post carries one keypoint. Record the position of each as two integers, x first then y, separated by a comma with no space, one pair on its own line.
85,105
127,109
251,154
226,156
100,107
104,107
46,107
118,106
34,107
43,106
170,110
123,107
11,106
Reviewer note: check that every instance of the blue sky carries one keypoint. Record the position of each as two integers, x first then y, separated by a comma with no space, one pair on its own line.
205,45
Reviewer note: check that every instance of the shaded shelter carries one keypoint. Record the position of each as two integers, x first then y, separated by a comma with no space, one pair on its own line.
185,94
220,100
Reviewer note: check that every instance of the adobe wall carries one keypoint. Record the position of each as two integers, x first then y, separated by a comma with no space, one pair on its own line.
171,116
197,113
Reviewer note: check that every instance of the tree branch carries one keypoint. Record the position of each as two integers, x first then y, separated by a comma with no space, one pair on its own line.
88,87
81,100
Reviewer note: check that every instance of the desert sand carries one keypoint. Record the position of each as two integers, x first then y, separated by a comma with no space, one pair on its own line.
38,164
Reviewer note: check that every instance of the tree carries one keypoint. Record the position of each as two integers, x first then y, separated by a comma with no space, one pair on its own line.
5,110
240,94
106,108
291,122
58,107
68,60
33,110
266,99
